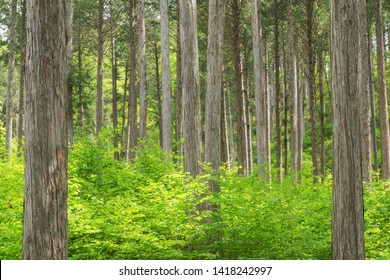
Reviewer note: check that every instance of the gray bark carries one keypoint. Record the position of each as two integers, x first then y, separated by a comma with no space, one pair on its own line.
99,80
142,70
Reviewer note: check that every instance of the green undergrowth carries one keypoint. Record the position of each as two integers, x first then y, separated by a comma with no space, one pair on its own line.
149,210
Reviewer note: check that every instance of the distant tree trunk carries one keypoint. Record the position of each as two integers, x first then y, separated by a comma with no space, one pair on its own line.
80,118
312,92
114,83
364,92
22,78
383,107
45,233
179,95
124,106
265,94
348,216
131,139
99,86
242,148
10,84
231,136
224,144
248,116
191,90
322,114
142,70
158,94
277,92
216,24
285,111
69,44
166,79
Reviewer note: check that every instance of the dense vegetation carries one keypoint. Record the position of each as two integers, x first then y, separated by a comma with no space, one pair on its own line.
147,210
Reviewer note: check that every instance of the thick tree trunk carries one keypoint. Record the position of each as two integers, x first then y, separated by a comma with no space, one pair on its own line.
191,89
10,85
142,70
383,107
348,216
45,233
22,78
99,81
242,147
132,129
166,79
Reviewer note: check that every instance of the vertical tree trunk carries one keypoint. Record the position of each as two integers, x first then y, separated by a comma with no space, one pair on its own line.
265,95
69,42
166,78
383,107
45,233
300,120
248,115
10,85
242,148
348,220
191,90
131,139
312,93
158,95
179,95
114,83
293,90
99,85
322,114
231,134
142,70
224,144
22,78
364,92
277,92
80,118
124,106
285,111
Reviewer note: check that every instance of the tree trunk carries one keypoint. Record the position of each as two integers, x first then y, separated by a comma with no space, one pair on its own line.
348,216
45,233
242,148
142,70
383,107
99,85
114,84
124,106
22,78
285,113
158,94
131,139
191,90
322,113
80,118
231,134
224,144
312,92
179,95
166,79
10,85
69,42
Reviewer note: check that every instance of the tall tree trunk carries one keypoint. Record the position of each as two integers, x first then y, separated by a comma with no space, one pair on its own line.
293,90
265,94
231,134
158,94
124,106
242,148
248,116
179,95
383,107
69,42
300,120
142,70
166,79
99,82
191,90
364,92
322,113
80,118
348,216
312,92
45,233
277,92
10,85
132,132
114,83
22,78
224,144
285,111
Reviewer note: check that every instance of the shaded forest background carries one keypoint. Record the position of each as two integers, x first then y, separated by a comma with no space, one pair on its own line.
130,193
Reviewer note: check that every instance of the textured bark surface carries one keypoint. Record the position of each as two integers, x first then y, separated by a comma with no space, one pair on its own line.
166,79
45,234
179,94
347,214
383,106
190,86
69,49
232,151
322,115
224,131
99,80
142,70
10,84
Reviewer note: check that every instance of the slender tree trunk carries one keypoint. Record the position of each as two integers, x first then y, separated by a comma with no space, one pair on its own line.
191,90
242,148
132,131
45,233
348,216
158,95
142,71
224,144
231,134
114,83
248,115
22,78
166,78
99,86
277,92
124,106
300,121
69,42
285,113
10,85
312,93
179,95
322,114
266,102
293,90
383,107
80,81
364,92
